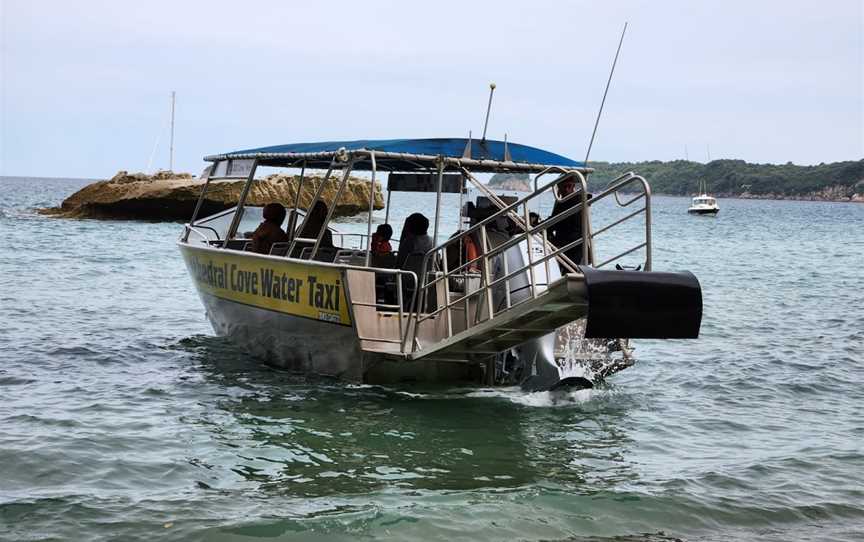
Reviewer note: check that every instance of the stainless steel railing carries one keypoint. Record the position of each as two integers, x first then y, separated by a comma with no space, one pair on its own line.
531,235
404,322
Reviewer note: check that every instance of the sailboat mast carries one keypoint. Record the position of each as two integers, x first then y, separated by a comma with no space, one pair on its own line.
171,152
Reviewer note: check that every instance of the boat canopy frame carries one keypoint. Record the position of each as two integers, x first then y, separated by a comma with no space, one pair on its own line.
475,157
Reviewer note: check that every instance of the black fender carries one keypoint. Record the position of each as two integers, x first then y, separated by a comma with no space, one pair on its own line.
642,304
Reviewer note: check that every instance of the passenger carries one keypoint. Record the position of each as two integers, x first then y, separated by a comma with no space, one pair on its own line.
414,238
569,229
458,254
381,240
314,223
533,219
270,231
471,253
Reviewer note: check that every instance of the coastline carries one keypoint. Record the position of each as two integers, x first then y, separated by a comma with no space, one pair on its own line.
856,198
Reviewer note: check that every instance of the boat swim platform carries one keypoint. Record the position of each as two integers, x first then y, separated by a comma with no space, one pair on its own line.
564,301
615,304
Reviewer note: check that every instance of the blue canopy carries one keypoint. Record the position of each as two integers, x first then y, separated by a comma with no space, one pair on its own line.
449,147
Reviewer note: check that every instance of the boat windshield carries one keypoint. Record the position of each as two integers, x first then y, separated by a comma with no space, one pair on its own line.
215,227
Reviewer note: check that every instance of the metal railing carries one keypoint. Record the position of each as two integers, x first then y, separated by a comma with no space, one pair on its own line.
532,235
404,323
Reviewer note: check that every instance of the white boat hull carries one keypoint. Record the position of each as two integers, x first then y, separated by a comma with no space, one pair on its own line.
703,211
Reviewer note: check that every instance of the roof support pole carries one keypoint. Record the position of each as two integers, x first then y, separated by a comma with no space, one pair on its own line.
387,212
371,208
292,220
238,214
206,176
332,208
438,201
312,203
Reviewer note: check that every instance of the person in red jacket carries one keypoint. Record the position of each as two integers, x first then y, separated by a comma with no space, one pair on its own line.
381,240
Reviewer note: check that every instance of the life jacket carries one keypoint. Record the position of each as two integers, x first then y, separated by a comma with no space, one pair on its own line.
471,253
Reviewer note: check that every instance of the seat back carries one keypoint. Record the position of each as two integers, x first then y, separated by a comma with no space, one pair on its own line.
238,244
279,249
323,254
350,256
383,261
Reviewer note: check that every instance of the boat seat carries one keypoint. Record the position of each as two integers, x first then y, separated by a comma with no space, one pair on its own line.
323,255
383,261
238,244
414,262
350,257
280,249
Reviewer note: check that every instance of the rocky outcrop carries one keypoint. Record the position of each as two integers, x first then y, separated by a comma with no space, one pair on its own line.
172,196
520,182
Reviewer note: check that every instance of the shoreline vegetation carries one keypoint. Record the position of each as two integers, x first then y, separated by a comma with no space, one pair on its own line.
837,181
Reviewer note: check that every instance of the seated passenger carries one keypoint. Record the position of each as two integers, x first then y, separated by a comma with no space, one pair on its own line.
381,240
313,226
414,238
270,231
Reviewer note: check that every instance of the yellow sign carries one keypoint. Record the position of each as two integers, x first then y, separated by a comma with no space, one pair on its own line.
307,290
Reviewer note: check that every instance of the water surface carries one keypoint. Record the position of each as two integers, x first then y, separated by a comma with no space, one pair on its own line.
123,417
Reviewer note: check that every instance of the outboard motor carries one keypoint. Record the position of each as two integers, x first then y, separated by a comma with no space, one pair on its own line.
534,364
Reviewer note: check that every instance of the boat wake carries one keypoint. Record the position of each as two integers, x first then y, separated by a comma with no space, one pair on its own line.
542,399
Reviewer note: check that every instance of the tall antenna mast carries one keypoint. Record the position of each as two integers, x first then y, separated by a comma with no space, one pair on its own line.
488,109
708,148
686,154
171,152
603,102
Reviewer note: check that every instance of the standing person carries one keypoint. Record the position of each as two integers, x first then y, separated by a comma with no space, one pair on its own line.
270,231
570,229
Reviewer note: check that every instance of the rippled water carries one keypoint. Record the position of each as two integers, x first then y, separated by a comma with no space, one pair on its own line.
123,417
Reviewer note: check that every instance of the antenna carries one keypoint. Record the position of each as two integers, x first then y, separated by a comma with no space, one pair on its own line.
488,109
603,102
686,154
171,152
708,148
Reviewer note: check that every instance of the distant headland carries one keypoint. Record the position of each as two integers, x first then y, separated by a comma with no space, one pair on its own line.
837,181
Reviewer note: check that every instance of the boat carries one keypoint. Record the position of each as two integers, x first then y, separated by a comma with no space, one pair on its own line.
515,310
703,204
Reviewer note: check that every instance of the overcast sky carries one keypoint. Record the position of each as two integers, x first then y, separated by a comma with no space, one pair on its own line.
85,85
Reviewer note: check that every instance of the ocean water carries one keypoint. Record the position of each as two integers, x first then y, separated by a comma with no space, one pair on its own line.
122,417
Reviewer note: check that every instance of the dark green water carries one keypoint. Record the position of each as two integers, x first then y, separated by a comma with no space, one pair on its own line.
123,418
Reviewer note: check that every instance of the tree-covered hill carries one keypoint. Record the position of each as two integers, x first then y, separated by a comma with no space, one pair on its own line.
835,181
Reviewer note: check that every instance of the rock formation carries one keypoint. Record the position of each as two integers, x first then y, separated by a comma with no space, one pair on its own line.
172,196
520,182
